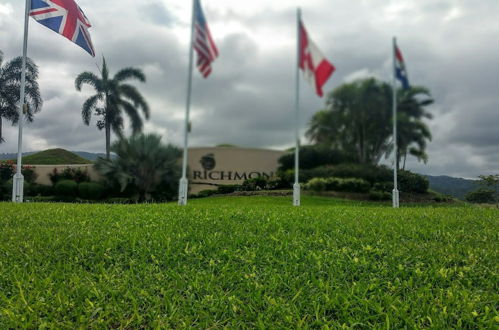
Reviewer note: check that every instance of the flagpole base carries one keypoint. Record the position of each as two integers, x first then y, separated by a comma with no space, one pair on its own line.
18,188
296,195
396,198
182,191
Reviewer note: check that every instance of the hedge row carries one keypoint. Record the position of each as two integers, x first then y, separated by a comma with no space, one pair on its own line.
64,189
338,184
381,175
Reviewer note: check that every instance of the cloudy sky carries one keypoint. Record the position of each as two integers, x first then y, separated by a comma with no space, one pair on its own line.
450,46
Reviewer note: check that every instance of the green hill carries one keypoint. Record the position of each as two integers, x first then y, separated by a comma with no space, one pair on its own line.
54,157
456,187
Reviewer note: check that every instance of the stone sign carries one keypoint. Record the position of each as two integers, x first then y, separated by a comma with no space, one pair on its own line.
210,167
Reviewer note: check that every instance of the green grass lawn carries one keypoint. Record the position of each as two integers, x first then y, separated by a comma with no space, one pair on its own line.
248,262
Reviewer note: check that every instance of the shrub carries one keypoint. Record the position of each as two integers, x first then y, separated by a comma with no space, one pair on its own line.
369,173
6,190
6,171
206,193
338,184
333,184
376,195
228,189
91,190
481,196
354,185
312,157
43,190
316,184
120,200
29,174
29,189
413,183
383,186
42,199
277,183
75,174
254,184
66,188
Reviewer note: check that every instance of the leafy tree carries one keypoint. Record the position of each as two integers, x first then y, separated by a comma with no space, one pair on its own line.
489,193
10,84
145,163
490,181
313,156
112,99
358,121
481,196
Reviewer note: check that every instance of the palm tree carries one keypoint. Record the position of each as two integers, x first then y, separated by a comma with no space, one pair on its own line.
113,98
413,133
10,84
356,120
143,162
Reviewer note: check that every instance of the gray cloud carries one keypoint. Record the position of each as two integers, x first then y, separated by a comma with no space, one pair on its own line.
449,47
158,13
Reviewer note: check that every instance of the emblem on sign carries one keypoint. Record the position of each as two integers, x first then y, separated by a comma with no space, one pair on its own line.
208,162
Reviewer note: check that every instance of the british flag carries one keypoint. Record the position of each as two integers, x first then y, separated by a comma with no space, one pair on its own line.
66,18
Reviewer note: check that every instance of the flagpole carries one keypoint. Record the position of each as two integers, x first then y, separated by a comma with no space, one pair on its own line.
18,180
395,196
184,183
296,186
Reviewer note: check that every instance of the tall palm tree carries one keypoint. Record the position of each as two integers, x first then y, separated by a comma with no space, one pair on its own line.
112,99
10,84
413,133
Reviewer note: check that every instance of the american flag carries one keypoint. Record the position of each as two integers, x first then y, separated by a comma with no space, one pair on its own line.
203,42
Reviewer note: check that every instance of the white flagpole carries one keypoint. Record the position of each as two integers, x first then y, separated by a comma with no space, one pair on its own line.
184,183
395,196
296,186
18,180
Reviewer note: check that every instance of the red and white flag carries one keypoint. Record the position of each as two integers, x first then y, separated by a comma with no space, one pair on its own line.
316,68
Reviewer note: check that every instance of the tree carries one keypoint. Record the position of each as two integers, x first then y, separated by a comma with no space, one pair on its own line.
112,99
10,84
413,133
145,163
313,156
489,193
356,120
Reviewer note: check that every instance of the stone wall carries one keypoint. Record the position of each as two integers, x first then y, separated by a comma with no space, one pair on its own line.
207,167
43,171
